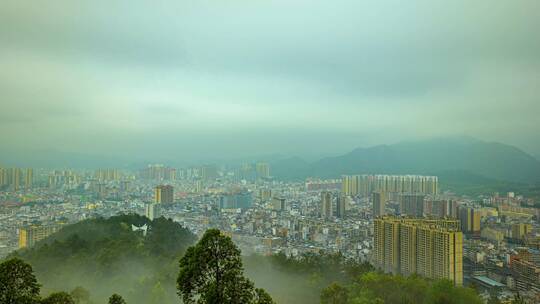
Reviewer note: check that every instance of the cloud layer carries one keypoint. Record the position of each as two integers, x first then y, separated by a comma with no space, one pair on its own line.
191,79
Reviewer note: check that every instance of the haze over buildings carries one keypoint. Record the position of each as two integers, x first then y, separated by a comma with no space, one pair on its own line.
395,133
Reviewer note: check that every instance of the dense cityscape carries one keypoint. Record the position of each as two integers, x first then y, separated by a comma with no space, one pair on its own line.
270,152
402,224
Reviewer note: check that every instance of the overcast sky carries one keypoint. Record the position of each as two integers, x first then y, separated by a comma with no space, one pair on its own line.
192,79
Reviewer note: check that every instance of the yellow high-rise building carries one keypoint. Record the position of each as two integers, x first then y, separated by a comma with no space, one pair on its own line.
29,236
28,178
378,243
3,178
345,185
407,244
424,252
107,174
16,179
520,230
470,220
379,202
164,194
430,248
391,246
262,170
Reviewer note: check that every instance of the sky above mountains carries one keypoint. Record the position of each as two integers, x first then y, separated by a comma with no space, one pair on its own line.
195,79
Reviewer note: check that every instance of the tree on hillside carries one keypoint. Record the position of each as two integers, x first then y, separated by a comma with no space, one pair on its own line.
444,291
58,298
377,287
334,294
212,272
80,295
18,284
116,299
262,297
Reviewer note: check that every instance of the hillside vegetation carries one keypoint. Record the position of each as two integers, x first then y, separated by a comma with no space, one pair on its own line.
105,256
97,258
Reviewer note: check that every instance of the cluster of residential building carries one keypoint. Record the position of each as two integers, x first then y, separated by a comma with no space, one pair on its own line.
401,224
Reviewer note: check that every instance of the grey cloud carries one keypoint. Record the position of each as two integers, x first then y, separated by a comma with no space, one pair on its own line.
204,73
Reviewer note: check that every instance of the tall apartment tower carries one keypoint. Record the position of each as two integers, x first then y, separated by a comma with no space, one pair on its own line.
16,179
262,170
278,203
164,194
326,204
152,211
379,202
3,178
411,204
430,248
209,172
28,178
470,220
520,230
391,247
442,208
341,200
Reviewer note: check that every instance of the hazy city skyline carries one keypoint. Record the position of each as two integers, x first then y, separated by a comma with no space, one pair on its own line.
236,78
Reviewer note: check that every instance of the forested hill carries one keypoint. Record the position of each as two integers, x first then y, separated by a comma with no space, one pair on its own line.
105,256
433,157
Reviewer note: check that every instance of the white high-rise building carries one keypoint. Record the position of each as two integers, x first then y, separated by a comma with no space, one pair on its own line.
152,211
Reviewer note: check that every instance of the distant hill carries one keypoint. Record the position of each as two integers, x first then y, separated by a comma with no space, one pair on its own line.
105,256
494,161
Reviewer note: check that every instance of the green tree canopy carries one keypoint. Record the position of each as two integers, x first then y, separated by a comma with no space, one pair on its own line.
376,287
94,253
334,294
18,284
116,299
58,298
211,272
262,297
80,295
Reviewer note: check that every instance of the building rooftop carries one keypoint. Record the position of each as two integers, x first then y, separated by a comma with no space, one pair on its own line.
489,281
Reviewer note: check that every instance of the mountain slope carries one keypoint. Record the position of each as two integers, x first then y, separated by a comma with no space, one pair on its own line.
491,160
105,256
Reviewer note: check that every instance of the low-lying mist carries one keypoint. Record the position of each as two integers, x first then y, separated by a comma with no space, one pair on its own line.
104,256
140,283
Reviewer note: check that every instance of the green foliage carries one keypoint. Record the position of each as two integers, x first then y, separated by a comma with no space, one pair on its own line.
300,279
375,287
211,272
106,256
18,284
116,299
334,267
334,294
262,297
443,291
80,295
58,298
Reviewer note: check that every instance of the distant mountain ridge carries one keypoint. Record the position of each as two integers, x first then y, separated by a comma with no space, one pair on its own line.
487,159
